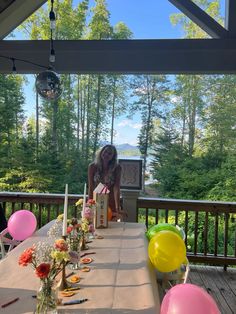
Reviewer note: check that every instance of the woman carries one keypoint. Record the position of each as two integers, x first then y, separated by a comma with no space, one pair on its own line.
105,169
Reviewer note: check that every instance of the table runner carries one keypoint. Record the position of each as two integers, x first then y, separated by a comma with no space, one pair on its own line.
121,279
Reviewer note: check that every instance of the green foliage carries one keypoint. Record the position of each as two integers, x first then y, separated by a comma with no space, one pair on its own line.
188,125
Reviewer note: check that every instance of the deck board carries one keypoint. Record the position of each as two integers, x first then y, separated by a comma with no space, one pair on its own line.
220,284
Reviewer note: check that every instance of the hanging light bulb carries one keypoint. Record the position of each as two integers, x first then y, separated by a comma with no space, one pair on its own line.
52,17
48,85
52,20
52,57
13,66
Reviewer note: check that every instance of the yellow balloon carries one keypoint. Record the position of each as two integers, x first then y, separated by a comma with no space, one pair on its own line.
166,251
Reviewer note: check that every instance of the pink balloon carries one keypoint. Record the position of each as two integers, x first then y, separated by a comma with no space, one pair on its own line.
22,224
188,299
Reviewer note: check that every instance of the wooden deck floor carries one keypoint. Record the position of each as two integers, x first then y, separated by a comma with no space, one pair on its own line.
220,284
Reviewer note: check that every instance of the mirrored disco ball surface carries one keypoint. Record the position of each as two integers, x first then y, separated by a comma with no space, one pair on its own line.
48,85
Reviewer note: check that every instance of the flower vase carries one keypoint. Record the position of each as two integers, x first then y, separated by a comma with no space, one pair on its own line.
46,298
83,245
74,246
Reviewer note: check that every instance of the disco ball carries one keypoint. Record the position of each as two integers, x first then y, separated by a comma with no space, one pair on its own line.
48,85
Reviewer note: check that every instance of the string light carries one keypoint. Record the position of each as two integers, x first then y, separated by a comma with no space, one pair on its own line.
52,57
48,83
13,66
22,60
52,17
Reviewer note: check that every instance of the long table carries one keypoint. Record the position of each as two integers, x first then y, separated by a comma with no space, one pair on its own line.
121,279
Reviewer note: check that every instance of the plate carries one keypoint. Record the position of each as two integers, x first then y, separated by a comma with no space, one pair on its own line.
85,269
86,260
67,293
74,279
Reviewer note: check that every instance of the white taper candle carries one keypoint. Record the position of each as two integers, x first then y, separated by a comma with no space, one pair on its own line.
64,228
84,199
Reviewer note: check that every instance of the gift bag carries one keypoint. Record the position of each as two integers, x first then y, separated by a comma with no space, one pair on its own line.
101,197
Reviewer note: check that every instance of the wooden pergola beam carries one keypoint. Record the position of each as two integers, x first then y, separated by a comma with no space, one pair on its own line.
230,17
169,56
16,13
201,18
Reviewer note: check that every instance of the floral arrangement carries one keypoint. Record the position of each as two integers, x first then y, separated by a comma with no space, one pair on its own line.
87,217
87,214
45,258
74,228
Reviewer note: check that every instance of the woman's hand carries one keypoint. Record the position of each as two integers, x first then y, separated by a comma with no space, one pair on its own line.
119,215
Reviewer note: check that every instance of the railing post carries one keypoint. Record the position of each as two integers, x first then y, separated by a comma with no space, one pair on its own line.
130,204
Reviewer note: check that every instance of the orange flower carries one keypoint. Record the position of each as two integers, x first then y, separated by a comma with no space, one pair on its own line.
26,257
42,270
61,245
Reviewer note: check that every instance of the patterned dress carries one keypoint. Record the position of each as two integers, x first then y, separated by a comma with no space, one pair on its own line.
109,180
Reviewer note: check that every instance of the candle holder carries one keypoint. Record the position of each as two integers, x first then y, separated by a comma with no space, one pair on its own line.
63,284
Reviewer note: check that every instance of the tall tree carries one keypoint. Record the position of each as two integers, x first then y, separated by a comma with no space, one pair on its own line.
118,84
150,94
11,116
189,108
99,28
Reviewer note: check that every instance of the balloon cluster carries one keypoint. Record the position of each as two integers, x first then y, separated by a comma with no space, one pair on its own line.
167,253
166,248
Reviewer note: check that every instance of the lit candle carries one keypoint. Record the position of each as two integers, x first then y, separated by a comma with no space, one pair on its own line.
64,228
84,199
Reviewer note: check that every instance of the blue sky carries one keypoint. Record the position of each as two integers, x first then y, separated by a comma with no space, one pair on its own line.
147,19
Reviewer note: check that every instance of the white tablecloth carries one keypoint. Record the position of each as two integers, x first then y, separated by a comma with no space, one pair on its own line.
121,279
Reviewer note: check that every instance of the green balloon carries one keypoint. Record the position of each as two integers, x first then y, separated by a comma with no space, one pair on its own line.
164,226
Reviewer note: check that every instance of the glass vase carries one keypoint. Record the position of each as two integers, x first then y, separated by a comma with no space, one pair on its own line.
83,245
46,298
74,247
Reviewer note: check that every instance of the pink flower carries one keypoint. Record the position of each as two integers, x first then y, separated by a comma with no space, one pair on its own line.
91,228
87,213
91,202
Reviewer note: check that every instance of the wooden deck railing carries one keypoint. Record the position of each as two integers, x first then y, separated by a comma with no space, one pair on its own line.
45,206
210,227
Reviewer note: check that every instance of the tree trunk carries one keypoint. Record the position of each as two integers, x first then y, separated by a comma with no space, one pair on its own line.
113,109
37,125
97,125
54,127
88,119
78,113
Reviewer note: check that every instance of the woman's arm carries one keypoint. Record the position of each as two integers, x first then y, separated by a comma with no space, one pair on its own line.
117,187
120,214
91,187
